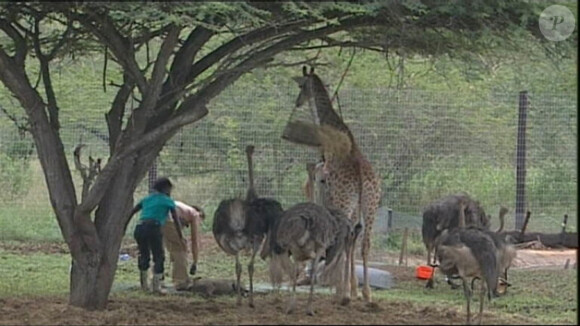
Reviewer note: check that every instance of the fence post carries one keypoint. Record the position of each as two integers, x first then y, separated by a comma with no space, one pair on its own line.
564,223
152,174
403,247
521,161
389,219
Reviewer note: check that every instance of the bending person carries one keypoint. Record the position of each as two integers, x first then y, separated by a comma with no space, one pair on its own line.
189,216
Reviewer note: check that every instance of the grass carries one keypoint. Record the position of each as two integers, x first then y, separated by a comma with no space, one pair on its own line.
547,297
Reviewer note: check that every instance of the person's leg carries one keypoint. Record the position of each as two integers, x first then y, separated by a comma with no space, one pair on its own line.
156,243
144,258
177,255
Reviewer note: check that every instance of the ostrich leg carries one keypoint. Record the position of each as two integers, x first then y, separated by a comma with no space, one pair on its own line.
251,272
481,299
238,274
309,310
294,275
467,293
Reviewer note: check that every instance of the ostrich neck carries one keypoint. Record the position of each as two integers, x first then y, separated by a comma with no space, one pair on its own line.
251,194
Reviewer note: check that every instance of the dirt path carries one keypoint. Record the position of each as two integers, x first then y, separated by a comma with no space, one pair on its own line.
174,310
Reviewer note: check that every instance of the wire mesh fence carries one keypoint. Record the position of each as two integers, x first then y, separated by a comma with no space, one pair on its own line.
423,144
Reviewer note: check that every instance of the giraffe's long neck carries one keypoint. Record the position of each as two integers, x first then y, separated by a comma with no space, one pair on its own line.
324,113
324,110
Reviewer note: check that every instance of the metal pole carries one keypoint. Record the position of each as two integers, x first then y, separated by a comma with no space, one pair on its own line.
521,161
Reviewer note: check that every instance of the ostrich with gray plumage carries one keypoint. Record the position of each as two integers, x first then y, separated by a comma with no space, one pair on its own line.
471,253
444,214
241,225
311,232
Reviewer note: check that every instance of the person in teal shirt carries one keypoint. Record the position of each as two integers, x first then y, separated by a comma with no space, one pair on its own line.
154,209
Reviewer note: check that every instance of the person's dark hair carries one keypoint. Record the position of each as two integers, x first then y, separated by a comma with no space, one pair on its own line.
162,184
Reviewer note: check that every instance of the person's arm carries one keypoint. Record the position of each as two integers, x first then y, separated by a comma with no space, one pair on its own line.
135,209
194,247
191,217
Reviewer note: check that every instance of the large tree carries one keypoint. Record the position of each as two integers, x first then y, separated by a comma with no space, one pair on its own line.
192,51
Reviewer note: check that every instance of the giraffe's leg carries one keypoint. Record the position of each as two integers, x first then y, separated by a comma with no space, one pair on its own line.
369,218
345,285
339,288
365,255
353,278
238,275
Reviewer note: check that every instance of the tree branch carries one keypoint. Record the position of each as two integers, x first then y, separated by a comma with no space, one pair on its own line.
126,151
61,42
21,49
111,37
181,66
345,44
257,58
156,82
115,116
241,41
22,127
45,73
48,145
88,173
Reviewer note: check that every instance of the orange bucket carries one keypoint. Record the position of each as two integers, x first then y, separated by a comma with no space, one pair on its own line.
424,272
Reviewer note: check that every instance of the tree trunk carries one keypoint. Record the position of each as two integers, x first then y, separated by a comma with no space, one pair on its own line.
93,269
551,240
93,272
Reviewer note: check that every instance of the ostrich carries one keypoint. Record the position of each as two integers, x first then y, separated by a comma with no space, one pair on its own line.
506,251
444,213
471,253
310,232
241,225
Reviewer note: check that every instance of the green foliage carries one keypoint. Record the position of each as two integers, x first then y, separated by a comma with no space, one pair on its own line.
483,180
15,175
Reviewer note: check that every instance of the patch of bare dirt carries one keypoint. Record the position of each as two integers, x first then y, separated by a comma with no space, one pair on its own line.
176,310
33,247
531,258
526,258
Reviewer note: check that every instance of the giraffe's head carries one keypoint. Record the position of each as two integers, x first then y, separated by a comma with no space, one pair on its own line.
304,84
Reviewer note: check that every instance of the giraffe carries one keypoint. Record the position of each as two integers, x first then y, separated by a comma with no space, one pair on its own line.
354,186
308,185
